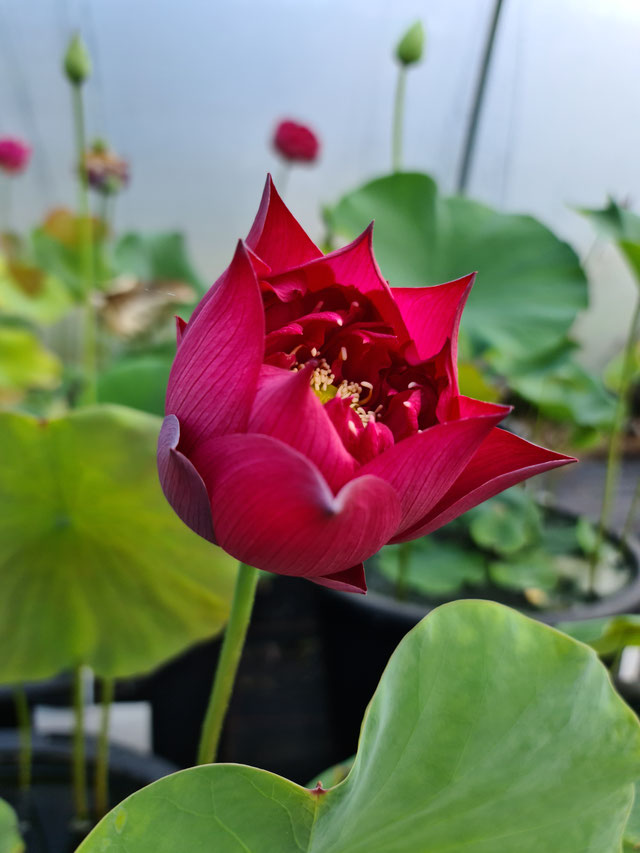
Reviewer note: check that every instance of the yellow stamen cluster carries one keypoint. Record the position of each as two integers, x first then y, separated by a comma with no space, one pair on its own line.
322,382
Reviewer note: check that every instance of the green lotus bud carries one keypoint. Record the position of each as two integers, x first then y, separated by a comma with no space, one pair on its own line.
411,45
77,63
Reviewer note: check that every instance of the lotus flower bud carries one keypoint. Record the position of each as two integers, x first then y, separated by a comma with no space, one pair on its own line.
14,155
77,63
296,142
411,45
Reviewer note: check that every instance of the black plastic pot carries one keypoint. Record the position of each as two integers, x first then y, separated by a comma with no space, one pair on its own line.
361,632
45,812
278,718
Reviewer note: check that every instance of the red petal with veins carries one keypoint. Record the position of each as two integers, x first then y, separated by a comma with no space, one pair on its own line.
276,237
183,487
423,467
351,580
286,408
501,461
213,377
272,508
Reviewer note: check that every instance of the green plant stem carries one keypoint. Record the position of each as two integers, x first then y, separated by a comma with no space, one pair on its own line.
478,101
230,653
398,119
86,250
24,729
615,443
404,558
79,772
101,782
631,515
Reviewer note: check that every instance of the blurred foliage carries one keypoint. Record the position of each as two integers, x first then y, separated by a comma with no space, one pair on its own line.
25,364
621,225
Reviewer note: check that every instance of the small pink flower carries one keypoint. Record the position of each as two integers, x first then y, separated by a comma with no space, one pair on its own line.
296,142
14,155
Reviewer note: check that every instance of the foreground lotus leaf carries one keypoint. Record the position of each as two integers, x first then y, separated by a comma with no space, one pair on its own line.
489,733
94,566
10,841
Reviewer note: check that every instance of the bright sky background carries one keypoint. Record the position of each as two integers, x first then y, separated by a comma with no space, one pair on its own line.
189,91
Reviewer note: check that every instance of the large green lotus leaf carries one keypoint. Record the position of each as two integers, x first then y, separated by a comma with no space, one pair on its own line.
530,285
25,363
489,733
95,567
10,841
632,830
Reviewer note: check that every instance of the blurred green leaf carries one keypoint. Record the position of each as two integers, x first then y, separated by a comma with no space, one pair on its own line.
473,383
25,363
586,536
533,569
436,567
622,226
10,841
530,285
507,523
613,373
139,381
488,733
32,294
156,258
95,568
607,636
632,831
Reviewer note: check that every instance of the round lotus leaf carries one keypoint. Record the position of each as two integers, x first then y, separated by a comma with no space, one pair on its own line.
95,568
489,733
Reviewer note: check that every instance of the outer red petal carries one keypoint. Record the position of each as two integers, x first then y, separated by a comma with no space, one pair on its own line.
183,487
351,580
286,408
213,377
276,236
432,314
423,467
501,461
181,325
272,508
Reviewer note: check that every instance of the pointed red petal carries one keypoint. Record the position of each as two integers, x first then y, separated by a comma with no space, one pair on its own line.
181,325
432,314
276,237
423,467
183,487
351,580
272,508
213,378
501,461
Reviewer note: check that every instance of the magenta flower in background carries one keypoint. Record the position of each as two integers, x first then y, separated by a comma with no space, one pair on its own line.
313,412
296,142
14,155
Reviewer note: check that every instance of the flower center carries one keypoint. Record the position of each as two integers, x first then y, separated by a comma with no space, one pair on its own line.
323,384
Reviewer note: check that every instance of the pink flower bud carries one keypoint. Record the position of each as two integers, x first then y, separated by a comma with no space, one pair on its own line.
296,142
14,155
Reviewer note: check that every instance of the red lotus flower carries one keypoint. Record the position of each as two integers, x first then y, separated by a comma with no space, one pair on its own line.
296,142
313,413
14,155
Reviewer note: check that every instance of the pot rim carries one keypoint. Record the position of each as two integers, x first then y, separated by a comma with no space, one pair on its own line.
625,600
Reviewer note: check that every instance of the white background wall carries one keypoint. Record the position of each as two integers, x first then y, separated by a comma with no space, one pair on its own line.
189,92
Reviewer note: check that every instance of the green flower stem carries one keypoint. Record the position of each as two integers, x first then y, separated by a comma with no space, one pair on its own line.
101,781
398,119
86,249
232,645
631,515
615,443
79,773
404,559
24,729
